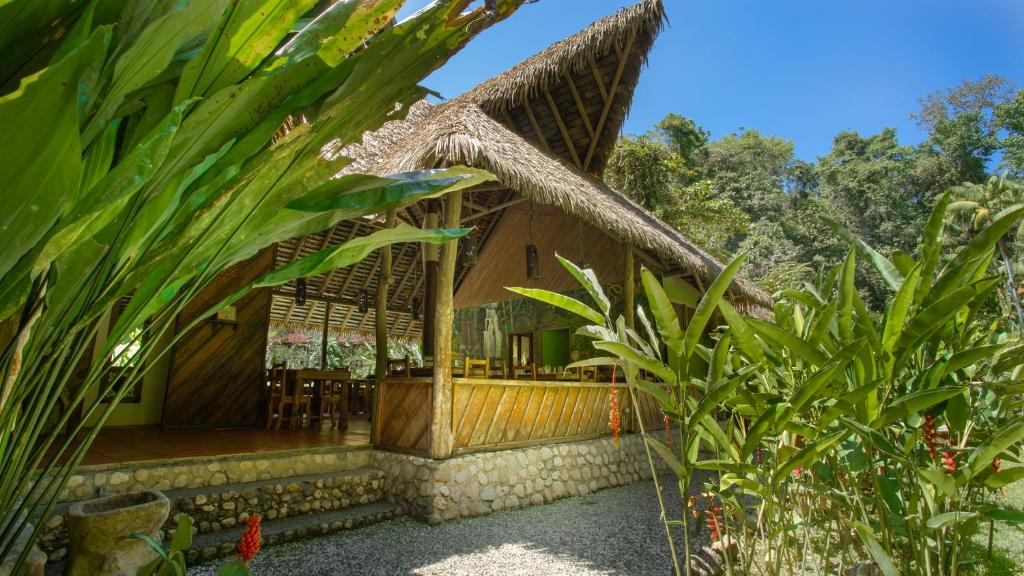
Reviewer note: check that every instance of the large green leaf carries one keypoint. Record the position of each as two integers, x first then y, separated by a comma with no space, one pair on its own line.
629,354
41,151
561,301
741,332
354,251
914,403
788,341
249,31
898,310
979,247
664,313
878,553
145,59
1000,440
589,281
709,303
679,291
931,247
889,272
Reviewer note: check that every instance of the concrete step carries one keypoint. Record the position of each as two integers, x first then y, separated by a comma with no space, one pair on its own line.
221,544
223,508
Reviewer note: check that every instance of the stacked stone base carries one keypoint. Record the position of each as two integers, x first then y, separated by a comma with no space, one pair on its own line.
482,483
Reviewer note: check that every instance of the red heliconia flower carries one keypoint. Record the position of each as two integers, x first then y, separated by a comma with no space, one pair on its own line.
249,545
613,412
930,436
668,430
712,521
798,471
949,461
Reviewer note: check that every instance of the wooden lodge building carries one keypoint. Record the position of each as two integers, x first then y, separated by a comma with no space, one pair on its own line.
545,129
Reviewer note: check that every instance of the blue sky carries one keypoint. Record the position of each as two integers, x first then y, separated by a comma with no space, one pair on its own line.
800,69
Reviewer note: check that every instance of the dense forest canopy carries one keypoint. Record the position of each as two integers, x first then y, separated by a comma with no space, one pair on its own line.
747,191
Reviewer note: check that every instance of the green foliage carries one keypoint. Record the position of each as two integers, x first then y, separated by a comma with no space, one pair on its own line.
151,145
844,435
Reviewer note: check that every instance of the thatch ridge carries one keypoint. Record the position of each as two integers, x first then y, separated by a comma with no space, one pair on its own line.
571,55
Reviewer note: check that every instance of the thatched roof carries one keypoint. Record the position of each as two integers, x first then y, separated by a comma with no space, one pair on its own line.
544,128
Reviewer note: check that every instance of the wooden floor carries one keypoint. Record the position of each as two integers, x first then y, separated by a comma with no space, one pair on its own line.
137,443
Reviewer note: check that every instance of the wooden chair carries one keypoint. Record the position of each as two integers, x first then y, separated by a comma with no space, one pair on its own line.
279,402
302,404
497,369
400,366
476,367
334,403
525,372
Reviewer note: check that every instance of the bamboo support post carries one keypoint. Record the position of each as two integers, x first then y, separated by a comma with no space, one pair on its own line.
441,404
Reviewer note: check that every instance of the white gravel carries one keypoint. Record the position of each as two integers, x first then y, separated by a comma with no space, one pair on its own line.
615,531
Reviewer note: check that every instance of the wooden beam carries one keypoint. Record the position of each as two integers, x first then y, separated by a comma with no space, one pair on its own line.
405,277
383,285
608,103
330,275
495,208
598,77
629,288
334,301
579,104
562,128
441,401
536,126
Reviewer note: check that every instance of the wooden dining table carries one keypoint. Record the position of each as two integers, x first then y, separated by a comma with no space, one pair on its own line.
300,377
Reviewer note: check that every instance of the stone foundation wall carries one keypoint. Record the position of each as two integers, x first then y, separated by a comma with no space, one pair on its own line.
476,484
94,481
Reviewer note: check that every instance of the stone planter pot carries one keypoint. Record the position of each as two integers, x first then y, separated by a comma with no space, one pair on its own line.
100,530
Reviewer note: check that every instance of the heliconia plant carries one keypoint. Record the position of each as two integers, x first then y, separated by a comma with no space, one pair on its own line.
150,145
843,439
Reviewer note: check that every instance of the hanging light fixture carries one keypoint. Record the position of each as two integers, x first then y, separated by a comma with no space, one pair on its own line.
469,250
532,256
364,302
300,292
416,308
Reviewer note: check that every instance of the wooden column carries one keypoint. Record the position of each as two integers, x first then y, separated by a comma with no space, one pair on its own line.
430,280
383,285
629,288
323,337
441,403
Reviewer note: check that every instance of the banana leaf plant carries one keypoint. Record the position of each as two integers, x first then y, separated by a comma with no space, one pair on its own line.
669,362
145,153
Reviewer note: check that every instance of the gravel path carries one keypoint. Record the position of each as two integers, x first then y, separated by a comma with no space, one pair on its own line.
615,531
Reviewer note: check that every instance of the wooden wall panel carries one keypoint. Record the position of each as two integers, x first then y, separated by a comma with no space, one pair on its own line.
216,376
403,415
497,414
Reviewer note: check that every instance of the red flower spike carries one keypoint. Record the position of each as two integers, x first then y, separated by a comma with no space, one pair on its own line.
668,431
930,436
249,545
613,412
949,462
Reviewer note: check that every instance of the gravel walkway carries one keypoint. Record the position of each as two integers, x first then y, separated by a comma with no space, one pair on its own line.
614,531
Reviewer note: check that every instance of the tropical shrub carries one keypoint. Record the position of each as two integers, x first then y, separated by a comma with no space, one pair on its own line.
149,145
842,436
